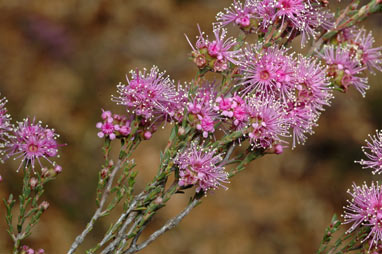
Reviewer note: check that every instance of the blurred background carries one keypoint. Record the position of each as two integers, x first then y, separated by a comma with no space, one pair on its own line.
61,60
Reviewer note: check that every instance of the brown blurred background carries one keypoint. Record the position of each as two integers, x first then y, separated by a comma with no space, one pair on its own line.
60,61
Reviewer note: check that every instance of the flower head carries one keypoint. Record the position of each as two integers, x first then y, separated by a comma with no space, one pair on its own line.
149,95
295,16
365,210
371,57
201,109
233,108
344,70
216,54
200,166
268,72
312,84
113,126
31,141
267,122
373,151
238,13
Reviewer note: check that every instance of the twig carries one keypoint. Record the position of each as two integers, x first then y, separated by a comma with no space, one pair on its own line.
98,212
169,225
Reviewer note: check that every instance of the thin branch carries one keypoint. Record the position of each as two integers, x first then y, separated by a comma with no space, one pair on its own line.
127,215
98,212
169,225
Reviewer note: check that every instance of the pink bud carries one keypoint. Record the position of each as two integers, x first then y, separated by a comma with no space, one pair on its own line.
44,205
147,135
181,131
279,149
33,182
104,173
106,114
58,169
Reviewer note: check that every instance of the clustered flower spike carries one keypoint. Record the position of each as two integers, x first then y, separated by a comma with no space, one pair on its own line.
362,43
201,167
201,109
215,55
373,151
233,109
349,60
149,95
32,142
239,14
293,16
298,85
268,123
344,70
27,250
364,210
267,72
113,125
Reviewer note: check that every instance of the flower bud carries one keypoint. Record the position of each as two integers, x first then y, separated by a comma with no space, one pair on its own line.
279,149
44,205
104,172
58,169
147,135
181,131
158,200
33,182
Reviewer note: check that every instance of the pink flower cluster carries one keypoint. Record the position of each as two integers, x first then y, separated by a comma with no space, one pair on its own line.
373,151
233,108
113,125
215,55
295,89
295,16
200,166
348,61
32,142
27,250
364,209
201,112
149,95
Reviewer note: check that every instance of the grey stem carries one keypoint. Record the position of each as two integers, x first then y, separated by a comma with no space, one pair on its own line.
98,213
169,225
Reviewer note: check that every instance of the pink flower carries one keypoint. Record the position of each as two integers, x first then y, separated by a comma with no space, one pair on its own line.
267,72
268,123
149,95
30,141
238,14
373,151
365,210
312,84
200,166
344,70
219,51
201,110
371,57
113,126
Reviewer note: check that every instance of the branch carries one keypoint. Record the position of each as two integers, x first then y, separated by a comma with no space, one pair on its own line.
98,213
169,225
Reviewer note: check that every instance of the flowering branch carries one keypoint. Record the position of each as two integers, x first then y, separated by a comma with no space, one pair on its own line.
264,99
